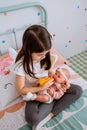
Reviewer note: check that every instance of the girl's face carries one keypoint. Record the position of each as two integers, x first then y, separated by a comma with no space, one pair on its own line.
37,57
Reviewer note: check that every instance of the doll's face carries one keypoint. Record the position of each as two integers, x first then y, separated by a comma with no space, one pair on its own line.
58,77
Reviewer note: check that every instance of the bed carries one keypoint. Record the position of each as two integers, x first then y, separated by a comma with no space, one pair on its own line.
11,104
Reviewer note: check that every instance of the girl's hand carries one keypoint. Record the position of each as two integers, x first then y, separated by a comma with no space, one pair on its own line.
47,84
51,73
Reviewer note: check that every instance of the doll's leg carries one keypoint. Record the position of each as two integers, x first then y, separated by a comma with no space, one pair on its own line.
72,94
51,90
44,97
29,97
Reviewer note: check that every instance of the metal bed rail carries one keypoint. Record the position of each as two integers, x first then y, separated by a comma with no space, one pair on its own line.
19,7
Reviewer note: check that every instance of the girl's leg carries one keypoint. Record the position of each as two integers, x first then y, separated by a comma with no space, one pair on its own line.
72,94
37,114
35,111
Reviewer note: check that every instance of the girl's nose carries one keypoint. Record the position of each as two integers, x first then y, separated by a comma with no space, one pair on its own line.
43,56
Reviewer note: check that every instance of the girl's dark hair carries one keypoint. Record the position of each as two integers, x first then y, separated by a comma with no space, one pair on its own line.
36,39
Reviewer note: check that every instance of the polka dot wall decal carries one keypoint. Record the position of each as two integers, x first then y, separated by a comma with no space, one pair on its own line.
85,40
78,6
85,9
3,41
53,35
5,13
38,13
66,46
69,41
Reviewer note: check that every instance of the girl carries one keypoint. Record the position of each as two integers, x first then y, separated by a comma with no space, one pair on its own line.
32,62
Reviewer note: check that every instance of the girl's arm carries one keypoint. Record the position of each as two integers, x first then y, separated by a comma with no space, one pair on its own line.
51,73
22,89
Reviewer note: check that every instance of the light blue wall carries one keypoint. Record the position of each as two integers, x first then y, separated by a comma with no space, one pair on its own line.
67,20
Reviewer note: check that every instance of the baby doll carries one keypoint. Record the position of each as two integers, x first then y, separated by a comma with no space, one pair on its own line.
55,91
61,84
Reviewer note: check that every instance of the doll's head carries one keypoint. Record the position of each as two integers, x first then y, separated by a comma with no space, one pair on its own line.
61,75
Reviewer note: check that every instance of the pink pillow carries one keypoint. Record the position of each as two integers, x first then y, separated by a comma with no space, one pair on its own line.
60,60
4,62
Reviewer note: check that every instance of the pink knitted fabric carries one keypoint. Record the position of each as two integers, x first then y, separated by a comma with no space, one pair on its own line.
5,63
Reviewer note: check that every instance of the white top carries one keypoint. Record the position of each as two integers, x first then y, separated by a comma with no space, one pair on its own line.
39,72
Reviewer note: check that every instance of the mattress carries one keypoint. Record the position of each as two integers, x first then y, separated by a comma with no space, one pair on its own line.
12,116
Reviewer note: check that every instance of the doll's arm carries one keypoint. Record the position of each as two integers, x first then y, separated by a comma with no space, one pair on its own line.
65,86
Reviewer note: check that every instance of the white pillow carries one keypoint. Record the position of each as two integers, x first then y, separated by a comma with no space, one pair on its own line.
12,53
8,91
